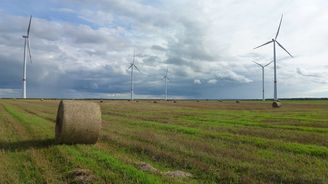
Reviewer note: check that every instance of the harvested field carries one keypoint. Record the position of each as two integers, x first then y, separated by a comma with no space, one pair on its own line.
216,142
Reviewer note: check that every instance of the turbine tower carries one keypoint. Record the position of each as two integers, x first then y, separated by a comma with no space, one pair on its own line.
275,41
26,47
165,78
262,66
132,67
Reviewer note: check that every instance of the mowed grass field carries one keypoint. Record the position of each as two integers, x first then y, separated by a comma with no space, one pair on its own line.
217,142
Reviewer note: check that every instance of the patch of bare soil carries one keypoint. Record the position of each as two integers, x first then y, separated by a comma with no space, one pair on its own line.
147,167
177,173
80,176
174,174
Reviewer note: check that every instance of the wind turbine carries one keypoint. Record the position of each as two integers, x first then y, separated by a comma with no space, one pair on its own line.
262,66
132,67
274,41
26,47
165,77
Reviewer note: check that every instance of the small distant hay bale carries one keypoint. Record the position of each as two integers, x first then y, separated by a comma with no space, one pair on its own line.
174,101
154,101
41,99
276,104
237,101
78,122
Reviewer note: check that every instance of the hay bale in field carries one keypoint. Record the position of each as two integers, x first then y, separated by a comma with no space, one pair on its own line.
78,122
154,101
237,101
174,101
276,104
41,99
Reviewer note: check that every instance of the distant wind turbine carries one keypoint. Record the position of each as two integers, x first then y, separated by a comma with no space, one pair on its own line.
165,78
262,66
274,41
26,47
132,67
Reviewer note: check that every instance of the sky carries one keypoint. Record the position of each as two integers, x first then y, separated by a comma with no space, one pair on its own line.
82,48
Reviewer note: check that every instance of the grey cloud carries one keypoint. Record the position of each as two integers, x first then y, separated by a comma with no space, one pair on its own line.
307,74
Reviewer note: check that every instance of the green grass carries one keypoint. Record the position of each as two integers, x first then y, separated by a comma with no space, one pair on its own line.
217,142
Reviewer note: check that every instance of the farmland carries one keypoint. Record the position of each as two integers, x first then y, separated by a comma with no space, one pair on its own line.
216,142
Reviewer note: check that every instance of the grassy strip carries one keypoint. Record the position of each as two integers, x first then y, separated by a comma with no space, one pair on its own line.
127,173
259,142
239,122
34,125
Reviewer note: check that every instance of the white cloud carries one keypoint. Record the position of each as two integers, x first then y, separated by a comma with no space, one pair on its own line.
212,81
197,81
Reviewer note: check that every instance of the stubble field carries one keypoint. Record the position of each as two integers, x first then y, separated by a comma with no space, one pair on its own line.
216,142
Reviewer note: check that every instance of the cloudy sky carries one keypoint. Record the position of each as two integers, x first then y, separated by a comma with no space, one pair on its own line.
83,49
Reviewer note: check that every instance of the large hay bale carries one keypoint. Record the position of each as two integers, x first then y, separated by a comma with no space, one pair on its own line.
78,122
276,104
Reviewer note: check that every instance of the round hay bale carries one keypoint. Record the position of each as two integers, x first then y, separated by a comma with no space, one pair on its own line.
276,104
174,101
154,101
78,122
237,101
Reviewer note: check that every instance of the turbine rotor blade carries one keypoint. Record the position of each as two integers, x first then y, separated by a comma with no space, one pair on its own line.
130,66
268,64
29,26
284,49
264,44
136,67
29,49
257,63
279,27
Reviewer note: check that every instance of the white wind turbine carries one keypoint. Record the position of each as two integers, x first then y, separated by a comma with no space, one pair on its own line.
26,47
274,41
165,78
262,66
132,67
